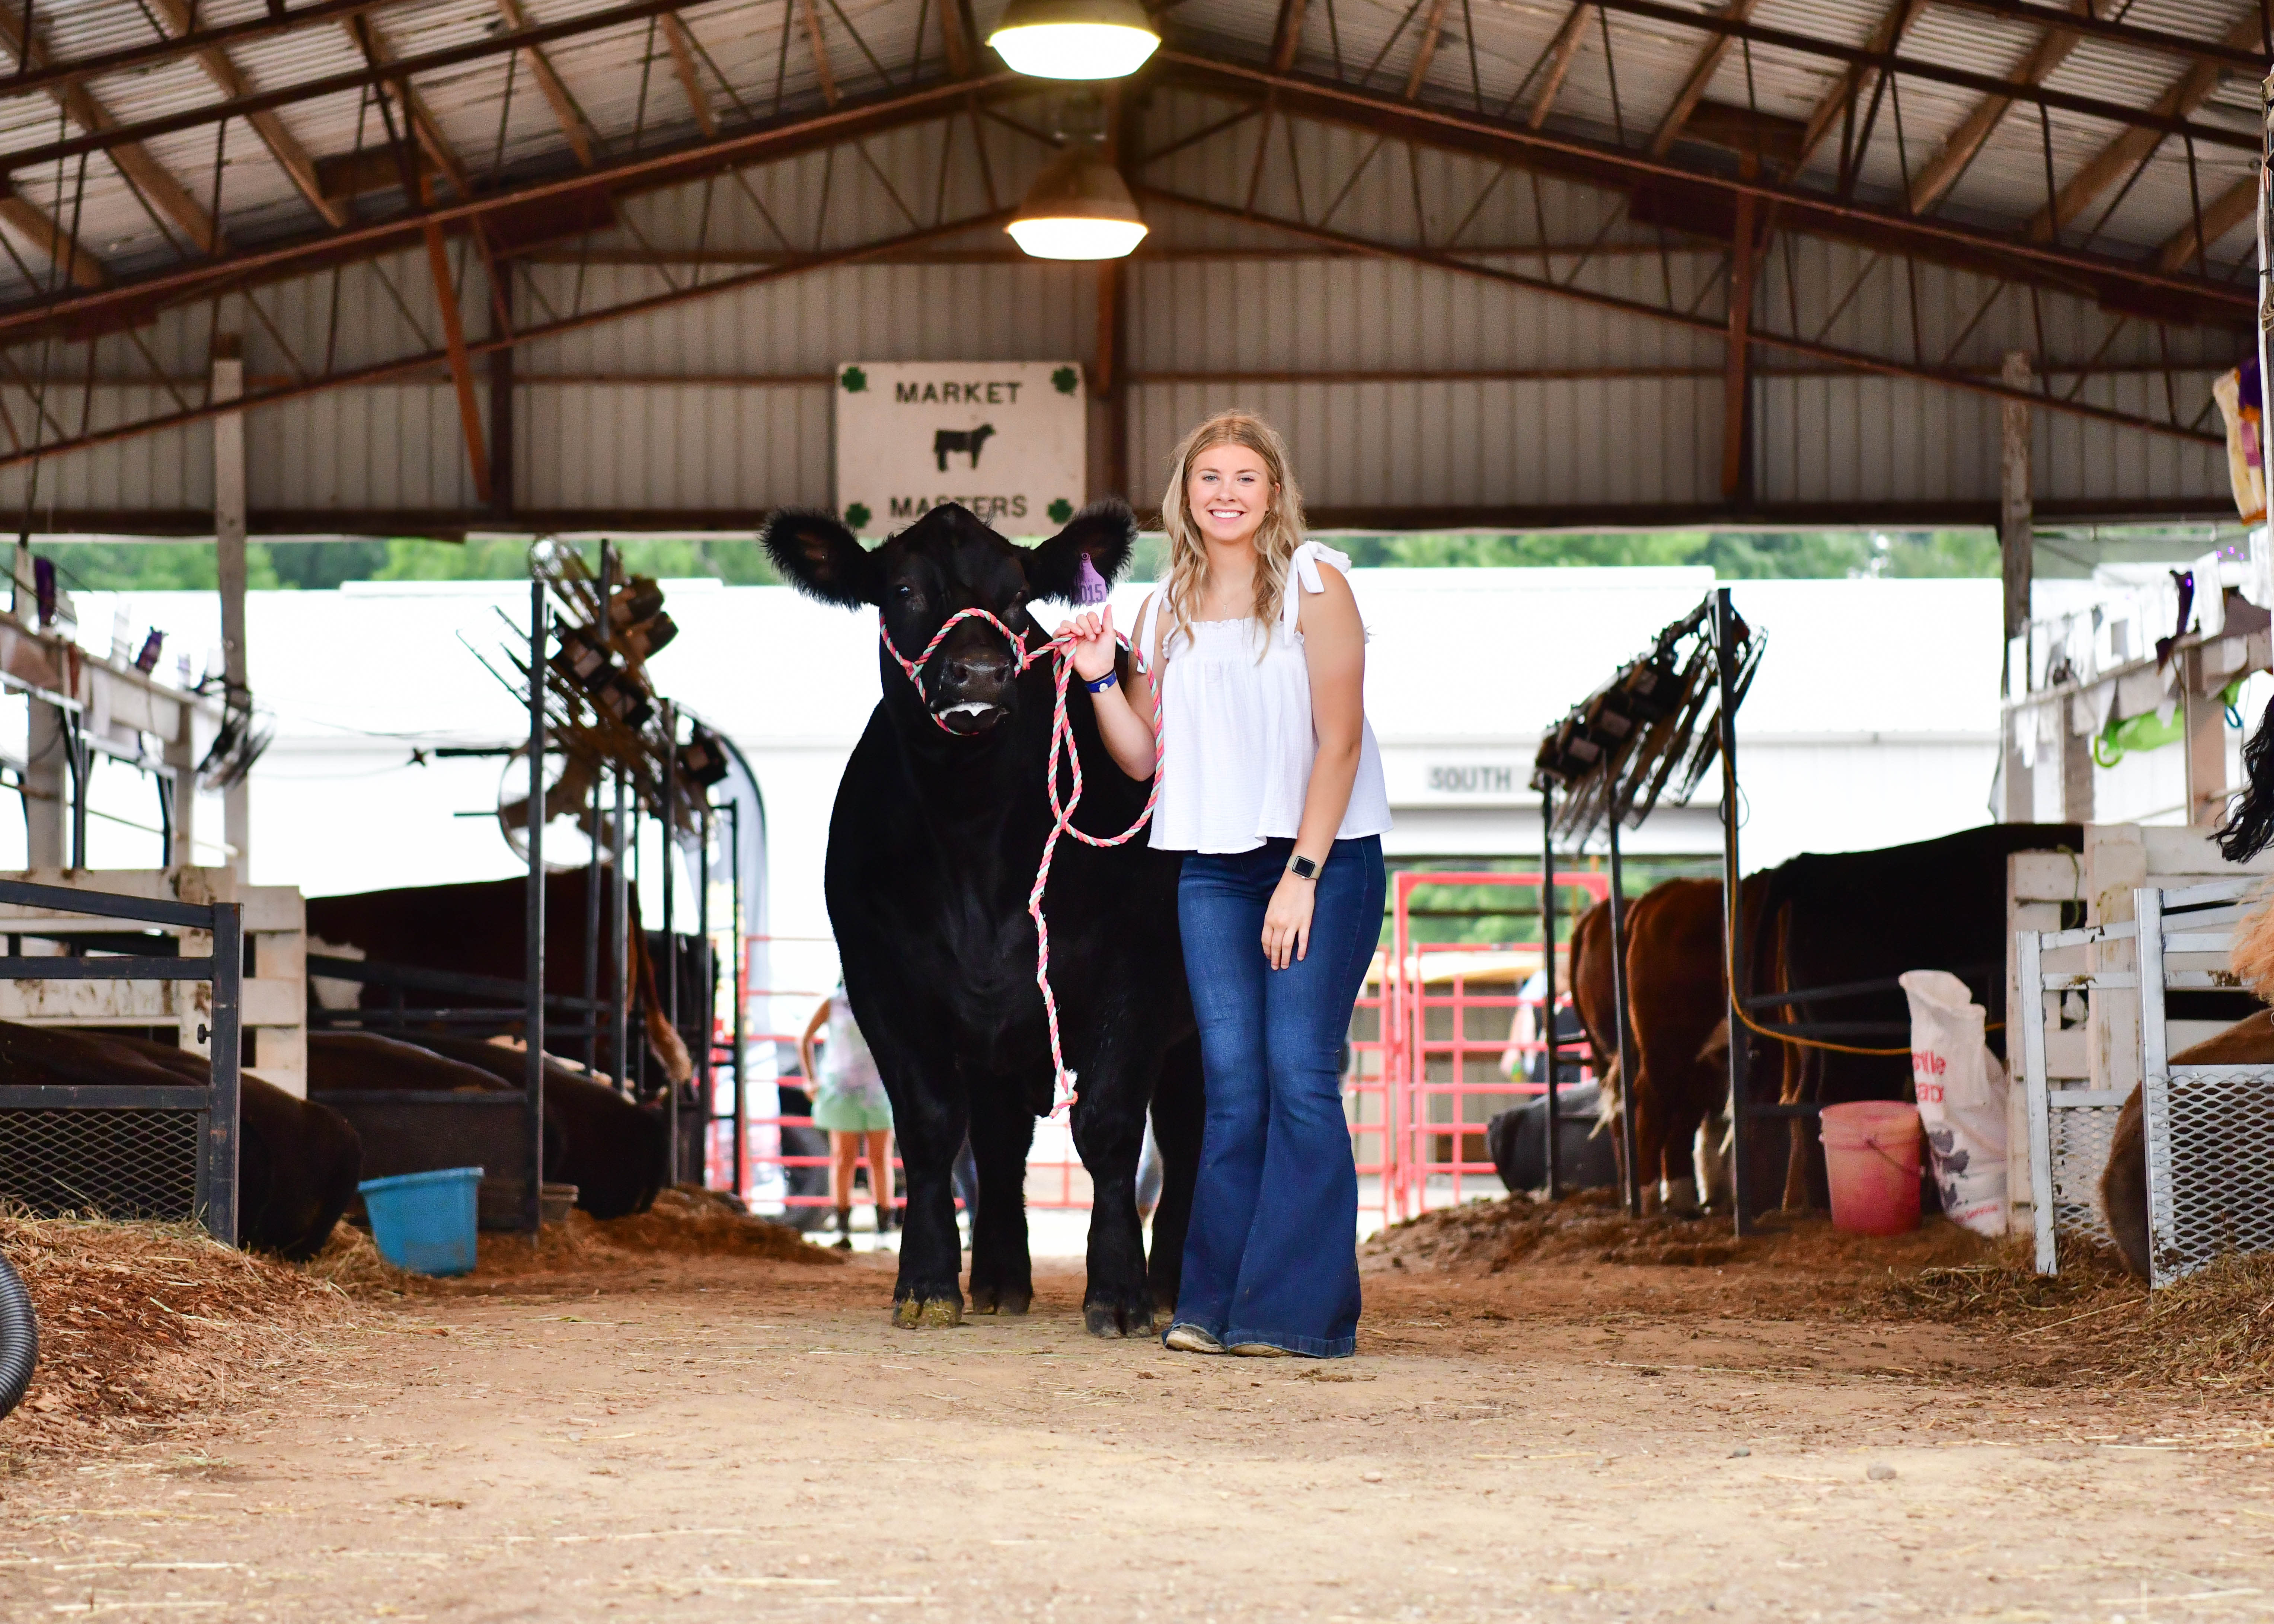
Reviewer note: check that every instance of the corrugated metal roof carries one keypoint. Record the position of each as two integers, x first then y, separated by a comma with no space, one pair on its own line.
623,80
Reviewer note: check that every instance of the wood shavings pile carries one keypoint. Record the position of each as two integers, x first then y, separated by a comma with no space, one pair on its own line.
140,1323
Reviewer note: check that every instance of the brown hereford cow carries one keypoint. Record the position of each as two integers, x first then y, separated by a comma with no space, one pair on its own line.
1676,1002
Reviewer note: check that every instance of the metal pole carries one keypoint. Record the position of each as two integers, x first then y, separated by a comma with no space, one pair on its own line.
670,929
226,1049
1619,998
742,994
2265,295
1548,973
533,916
1733,910
592,872
620,930
707,1017
591,1015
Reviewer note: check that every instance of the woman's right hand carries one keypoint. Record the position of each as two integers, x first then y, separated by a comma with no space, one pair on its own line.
1093,645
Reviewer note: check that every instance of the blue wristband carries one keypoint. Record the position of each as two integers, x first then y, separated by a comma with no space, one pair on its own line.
1102,683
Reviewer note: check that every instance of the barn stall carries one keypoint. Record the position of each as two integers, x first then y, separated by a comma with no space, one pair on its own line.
461,271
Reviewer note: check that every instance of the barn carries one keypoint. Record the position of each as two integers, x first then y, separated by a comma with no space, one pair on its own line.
1801,471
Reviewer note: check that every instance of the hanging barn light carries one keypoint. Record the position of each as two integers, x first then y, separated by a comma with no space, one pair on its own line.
1074,39
1078,208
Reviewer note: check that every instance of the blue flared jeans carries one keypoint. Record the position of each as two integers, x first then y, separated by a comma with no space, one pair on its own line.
1271,1256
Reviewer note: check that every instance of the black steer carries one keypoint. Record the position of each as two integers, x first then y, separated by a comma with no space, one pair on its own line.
933,846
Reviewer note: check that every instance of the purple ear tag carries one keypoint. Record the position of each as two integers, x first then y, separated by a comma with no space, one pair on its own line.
1093,588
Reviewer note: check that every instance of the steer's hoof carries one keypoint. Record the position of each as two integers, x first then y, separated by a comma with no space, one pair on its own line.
938,1313
1109,1318
1001,1299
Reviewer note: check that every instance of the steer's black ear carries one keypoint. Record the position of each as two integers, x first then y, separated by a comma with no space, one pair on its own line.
1104,531
823,559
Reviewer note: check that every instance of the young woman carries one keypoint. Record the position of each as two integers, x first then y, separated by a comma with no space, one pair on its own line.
1271,780
849,1101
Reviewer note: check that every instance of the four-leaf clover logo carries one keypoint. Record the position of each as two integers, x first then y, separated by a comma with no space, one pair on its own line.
1066,381
858,516
1060,511
854,379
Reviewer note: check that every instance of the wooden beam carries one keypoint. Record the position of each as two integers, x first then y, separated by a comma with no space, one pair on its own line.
572,122
682,64
955,38
30,222
1701,75
166,194
820,51
1736,379
1431,27
1562,50
2131,148
366,35
1933,183
2220,215
1287,36
454,345
282,146
1855,79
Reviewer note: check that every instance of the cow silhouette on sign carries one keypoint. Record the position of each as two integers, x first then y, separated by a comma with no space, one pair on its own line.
966,441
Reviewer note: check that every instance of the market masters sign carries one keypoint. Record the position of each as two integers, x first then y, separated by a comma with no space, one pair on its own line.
1006,439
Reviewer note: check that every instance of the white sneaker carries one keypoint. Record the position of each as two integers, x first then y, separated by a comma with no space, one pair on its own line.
1190,1339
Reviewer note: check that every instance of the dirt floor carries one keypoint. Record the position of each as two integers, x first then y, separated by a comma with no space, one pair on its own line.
1550,1416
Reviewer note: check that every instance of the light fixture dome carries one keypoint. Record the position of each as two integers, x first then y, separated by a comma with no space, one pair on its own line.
1078,208
1074,39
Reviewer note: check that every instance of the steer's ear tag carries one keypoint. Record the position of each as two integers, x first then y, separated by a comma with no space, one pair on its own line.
1093,588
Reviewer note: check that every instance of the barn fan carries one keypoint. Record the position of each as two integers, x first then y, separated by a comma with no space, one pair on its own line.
569,813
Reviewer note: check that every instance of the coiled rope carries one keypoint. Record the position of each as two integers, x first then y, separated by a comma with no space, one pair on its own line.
1063,1091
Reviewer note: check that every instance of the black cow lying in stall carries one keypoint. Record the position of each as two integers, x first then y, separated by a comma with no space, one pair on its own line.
478,928
612,1150
297,1163
933,846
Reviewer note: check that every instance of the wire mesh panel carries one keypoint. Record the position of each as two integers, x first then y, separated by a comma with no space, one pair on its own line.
2080,1154
2213,1141
125,1164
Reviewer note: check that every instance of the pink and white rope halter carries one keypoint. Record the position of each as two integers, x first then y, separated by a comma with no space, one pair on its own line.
1060,649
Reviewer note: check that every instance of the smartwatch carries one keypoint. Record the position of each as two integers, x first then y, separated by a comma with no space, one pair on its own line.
1302,868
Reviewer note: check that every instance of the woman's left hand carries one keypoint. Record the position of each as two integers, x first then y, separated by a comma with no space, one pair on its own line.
1287,921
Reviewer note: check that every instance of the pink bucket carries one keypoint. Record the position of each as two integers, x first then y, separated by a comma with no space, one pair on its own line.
1872,1161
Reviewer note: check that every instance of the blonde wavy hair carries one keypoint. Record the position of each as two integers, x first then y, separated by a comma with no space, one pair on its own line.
1275,541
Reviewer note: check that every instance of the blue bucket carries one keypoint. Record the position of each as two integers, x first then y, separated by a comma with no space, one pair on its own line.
424,1221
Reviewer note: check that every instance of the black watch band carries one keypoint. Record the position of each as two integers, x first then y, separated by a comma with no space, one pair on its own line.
1303,867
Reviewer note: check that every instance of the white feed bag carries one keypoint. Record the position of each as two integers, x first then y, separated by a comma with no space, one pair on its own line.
1962,1100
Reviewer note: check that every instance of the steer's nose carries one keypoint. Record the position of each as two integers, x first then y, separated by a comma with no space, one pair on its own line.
982,668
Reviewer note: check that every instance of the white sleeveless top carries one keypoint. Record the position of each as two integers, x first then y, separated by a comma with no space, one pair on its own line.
1237,738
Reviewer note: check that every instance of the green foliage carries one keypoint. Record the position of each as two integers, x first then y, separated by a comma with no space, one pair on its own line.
1734,555
149,566
739,563
1504,916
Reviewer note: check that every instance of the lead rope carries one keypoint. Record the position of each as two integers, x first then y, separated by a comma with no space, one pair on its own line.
1063,1091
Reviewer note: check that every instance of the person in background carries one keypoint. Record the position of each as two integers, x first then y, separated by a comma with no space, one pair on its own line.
849,1102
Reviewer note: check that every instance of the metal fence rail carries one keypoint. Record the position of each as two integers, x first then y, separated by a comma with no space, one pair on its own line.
131,1152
